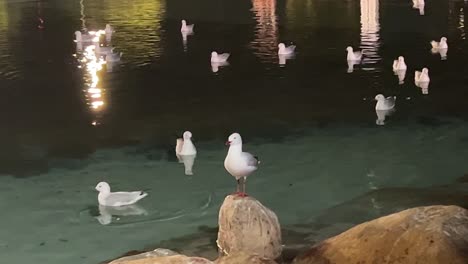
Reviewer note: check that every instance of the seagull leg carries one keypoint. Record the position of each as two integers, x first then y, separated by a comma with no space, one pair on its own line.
238,187
243,193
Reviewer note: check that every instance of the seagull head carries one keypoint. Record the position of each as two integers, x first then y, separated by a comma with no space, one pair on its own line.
425,70
184,22
349,49
187,135
443,39
103,187
234,139
214,54
379,97
281,46
401,59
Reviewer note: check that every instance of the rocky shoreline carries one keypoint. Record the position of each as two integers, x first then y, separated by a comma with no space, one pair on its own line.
249,232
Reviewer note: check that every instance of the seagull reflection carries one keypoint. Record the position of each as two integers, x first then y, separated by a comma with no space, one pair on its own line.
188,161
401,76
351,65
215,65
184,38
382,115
106,212
282,58
441,52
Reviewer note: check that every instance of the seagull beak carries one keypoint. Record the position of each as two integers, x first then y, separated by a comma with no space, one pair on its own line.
228,143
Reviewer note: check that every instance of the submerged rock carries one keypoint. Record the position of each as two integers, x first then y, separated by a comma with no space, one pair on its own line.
430,235
245,225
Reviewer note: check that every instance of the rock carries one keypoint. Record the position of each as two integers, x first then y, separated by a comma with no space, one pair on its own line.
243,258
245,225
429,235
378,203
161,257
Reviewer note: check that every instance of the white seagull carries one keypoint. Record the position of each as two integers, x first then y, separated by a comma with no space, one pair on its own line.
238,163
188,29
353,55
384,103
219,58
108,198
283,50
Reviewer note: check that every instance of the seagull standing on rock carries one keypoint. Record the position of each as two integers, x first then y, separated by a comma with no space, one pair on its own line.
238,163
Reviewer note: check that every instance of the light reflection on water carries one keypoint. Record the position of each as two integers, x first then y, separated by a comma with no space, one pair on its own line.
265,43
370,38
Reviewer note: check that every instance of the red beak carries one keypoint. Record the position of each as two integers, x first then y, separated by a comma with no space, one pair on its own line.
228,143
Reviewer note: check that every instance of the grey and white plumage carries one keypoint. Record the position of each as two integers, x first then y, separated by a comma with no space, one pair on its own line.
238,163
384,103
422,76
353,55
108,198
219,58
283,50
184,28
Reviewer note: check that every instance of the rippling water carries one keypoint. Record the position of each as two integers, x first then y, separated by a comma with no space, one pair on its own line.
70,120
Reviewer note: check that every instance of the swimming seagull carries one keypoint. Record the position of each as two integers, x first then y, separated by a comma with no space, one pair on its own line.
238,163
108,32
421,80
419,4
184,146
422,76
399,64
353,55
440,47
113,56
384,103
186,152
399,68
186,28
283,50
219,58
108,198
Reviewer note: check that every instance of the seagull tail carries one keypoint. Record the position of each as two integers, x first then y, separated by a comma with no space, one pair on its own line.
258,161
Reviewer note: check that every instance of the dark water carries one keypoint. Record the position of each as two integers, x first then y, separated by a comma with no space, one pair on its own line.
311,121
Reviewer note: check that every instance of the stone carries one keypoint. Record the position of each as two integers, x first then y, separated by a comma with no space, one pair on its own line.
429,235
245,225
243,258
153,257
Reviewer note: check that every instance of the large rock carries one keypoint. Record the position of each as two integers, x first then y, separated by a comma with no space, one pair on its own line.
429,235
243,258
245,225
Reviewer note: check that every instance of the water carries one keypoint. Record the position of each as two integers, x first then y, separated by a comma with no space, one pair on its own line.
311,122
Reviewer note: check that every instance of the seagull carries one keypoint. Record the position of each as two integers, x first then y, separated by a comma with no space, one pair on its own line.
283,50
442,44
188,29
353,55
421,76
219,58
184,146
384,103
238,163
421,80
419,4
108,198
399,64
186,152
440,47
